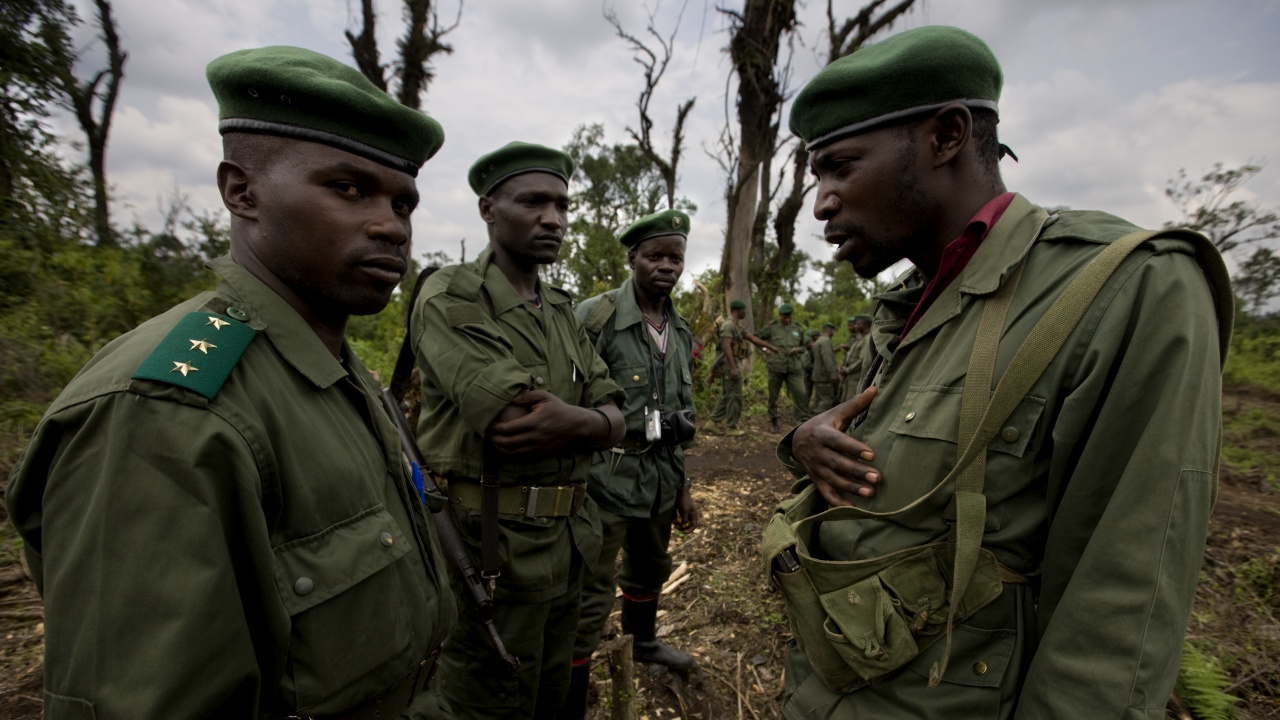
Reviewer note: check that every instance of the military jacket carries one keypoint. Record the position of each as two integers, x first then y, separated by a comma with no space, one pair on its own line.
824,361
640,479
729,329
258,554
477,344
853,357
785,337
1098,487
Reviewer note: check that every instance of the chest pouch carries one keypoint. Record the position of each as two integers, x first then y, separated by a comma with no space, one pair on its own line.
858,621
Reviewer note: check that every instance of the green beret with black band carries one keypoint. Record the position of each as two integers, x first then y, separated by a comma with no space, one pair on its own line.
517,158
785,309
737,305
296,93
826,325
909,74
667,222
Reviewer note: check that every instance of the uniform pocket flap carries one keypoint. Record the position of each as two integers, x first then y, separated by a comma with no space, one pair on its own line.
631,376
313,569
929,412
979,656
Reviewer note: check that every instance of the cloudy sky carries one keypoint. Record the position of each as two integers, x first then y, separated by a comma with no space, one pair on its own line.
1104,100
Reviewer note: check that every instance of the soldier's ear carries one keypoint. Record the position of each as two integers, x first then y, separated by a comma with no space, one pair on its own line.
236,185
486,209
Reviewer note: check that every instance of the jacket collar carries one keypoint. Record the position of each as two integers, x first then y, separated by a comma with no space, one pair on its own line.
502,293
1004,247
268,313
628,310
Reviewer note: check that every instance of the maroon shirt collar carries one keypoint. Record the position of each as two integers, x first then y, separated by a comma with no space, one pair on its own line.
957,254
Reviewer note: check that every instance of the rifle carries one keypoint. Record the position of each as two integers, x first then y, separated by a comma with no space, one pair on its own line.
455,552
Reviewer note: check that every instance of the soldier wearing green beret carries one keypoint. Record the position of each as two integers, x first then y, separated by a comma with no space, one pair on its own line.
1014,514
215,510
734,350
640,484
825,374
515,401
785,349
851,366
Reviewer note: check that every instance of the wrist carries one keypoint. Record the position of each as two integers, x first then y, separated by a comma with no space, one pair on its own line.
608,430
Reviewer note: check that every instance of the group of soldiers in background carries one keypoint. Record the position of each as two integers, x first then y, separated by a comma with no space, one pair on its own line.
802,361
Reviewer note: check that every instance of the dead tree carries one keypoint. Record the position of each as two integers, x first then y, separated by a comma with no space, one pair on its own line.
654,67
93,102
423,39
755,38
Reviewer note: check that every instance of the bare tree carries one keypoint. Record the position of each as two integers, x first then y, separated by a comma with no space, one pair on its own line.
1205,208
755,39
93,102
423,39
654,67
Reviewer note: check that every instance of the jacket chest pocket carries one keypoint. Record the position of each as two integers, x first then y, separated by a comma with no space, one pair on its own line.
350,621
924,433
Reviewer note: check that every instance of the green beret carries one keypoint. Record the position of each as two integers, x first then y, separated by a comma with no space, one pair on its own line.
911,73
517,158
812,333
863,318
784,309
826,325
851,320
667,222
300,94
737,305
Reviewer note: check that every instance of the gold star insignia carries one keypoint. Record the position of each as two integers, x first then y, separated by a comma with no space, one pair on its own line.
217,322
202,345
183,367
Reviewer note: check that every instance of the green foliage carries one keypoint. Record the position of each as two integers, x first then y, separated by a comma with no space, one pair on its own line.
1254,361
612,186
1258,281
1201,683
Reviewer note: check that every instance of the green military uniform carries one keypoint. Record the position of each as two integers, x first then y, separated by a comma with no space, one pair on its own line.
853,366
806,366
728,408
1098,487
785,368
478,344
825,374
254,549
636,483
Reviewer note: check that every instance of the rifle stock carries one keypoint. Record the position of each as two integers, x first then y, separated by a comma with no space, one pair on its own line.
451,544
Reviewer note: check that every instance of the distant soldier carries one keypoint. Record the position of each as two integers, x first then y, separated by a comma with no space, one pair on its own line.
851,367
640,485
514,402
733,350
806,364
825,374
785,344
215,510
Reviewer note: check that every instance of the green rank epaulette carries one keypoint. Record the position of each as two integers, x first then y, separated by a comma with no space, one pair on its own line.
199,353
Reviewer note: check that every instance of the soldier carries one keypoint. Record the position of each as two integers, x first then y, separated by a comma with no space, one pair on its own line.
733,348
806,364
825,374
851,367
514,401
784,347
215,510
1036,549
640,485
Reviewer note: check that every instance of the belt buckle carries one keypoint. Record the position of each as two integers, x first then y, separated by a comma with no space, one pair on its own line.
531,503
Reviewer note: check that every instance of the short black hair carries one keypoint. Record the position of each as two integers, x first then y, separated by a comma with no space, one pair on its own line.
254,151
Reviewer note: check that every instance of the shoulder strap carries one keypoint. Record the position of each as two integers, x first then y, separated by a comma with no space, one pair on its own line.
599,314
199,353
405,360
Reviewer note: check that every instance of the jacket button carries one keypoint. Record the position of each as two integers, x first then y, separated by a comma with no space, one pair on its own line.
238,314
910,416
979,668
387,539
1010,434
635,378
538,380
304,586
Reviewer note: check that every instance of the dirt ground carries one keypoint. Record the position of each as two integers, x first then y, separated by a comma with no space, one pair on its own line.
725,614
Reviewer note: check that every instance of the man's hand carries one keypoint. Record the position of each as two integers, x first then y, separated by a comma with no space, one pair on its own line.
686,511
836,462
546,425
735,374
796,350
